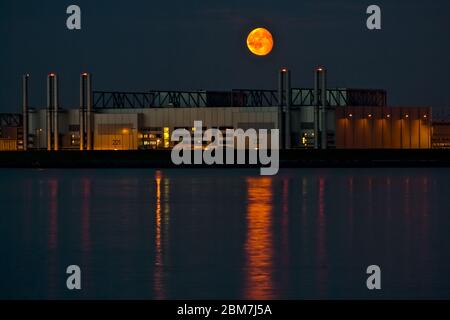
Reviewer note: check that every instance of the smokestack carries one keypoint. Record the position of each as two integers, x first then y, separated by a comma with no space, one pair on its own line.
25,107
280,107
284,104
324,110
89,128
82,112
316,108
320,109
287,112
50,101
56,106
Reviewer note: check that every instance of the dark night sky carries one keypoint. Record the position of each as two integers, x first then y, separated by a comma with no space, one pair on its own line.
200,44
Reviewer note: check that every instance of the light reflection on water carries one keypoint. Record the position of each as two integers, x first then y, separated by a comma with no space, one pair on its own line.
225,233
258,246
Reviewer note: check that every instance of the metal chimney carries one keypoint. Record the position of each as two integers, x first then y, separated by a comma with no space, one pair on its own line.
320,109
316,108
50,101
284,104
56,106
25,107
82,112
89,127
324,110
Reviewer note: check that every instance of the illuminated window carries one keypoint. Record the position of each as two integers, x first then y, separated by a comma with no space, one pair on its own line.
166,137
304,141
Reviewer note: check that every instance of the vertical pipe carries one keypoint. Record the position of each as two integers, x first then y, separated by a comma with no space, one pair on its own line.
55,120
89,113
280,106
25,107
49,110
316,110
324,108
82,110
288,98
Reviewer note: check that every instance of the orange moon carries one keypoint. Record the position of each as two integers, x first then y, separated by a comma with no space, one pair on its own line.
260,42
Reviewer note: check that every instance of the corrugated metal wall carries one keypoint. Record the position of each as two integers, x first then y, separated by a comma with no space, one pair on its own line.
378,127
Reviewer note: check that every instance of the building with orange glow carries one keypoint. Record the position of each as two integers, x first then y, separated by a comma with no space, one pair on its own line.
319,118
383,127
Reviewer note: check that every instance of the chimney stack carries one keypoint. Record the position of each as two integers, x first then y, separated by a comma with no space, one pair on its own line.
320,109
82,111
284,104
89,114
25,107
50,101
56,120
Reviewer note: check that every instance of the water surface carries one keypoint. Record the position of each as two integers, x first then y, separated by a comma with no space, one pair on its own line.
155,234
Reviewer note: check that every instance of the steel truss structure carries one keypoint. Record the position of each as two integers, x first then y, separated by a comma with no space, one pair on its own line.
10,120
237,98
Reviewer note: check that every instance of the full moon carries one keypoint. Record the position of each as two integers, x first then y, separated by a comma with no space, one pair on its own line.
260,42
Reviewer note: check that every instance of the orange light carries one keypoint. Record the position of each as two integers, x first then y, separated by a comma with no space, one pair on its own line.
388,116
407,116
370,116
350,115
125,131
425,116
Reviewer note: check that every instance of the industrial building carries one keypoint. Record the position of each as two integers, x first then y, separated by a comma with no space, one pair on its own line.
320,117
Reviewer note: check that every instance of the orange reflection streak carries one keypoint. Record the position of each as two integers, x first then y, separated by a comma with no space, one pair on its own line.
350,210
259,244
321,245
285,232
86,215
160,222
53,211
53,281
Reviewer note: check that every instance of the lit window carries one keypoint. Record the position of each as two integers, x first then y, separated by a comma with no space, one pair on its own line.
166,137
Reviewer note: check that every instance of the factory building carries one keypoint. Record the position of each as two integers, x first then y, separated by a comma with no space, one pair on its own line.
320,117
441,134
383,127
